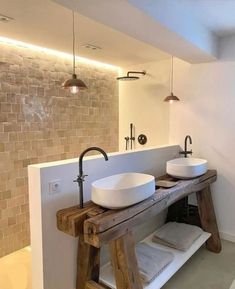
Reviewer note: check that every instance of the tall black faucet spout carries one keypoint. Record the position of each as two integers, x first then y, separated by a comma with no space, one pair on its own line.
81,177
188,137
186,152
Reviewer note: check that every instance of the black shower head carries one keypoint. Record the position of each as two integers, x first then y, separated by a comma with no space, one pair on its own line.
128,77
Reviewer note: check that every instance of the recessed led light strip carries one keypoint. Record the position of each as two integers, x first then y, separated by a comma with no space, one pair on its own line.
55,52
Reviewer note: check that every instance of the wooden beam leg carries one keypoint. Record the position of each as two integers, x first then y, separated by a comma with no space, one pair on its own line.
124,263
208,219
94,285
88,263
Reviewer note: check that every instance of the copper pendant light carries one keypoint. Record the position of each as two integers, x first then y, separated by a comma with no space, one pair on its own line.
74,84
171,98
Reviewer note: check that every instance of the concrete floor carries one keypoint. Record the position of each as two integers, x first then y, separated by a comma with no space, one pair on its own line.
15,270
204,270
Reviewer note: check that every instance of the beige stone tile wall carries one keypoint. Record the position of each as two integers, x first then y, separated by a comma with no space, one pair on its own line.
40,122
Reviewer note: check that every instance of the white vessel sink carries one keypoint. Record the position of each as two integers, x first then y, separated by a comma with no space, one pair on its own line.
122,190
186,168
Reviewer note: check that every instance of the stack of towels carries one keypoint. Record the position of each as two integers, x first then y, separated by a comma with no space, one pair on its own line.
179,236
153,261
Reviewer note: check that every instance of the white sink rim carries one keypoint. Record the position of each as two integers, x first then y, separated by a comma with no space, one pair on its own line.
186,168
188,161
122,190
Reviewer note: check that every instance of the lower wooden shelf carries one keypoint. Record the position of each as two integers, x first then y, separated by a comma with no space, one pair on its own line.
180,259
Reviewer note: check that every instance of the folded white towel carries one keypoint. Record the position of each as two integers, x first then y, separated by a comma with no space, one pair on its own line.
177,235
151,261
233,285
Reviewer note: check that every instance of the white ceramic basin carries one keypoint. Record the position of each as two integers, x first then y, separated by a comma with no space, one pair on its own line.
186,168
122,190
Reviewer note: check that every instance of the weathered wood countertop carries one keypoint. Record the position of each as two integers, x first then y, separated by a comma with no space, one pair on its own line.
99,224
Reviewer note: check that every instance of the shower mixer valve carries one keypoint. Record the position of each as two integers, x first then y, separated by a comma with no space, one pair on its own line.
127,141
130,138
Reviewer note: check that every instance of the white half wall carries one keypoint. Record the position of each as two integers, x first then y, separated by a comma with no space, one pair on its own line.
207,113
141,103
53,252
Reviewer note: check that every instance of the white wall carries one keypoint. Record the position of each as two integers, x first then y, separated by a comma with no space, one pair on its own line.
207,113
226,48
53,252
141,103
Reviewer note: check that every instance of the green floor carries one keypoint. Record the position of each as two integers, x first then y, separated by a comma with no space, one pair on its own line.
206,270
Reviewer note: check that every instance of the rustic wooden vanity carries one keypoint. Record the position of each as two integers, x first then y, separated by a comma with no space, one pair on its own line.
96,226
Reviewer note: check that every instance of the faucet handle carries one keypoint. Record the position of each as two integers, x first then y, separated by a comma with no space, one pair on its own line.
80,178
187,152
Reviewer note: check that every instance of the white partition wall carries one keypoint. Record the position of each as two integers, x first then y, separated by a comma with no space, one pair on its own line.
53,252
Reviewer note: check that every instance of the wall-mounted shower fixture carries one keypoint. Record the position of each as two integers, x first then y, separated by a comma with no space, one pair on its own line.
130,138
127,142
131,77
142,139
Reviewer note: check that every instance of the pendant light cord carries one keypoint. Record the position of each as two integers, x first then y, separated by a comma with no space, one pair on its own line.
172,72
73,45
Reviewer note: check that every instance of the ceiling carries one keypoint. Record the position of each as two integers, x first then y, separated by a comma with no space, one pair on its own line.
47,24
216,15
138,32
164,24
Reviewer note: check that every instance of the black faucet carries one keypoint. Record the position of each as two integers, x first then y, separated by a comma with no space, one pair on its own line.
80,179
185,152
130,138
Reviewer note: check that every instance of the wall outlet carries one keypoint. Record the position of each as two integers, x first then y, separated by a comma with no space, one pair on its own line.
54,187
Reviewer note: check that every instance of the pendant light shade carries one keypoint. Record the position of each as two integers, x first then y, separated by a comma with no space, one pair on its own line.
74,84
171,98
